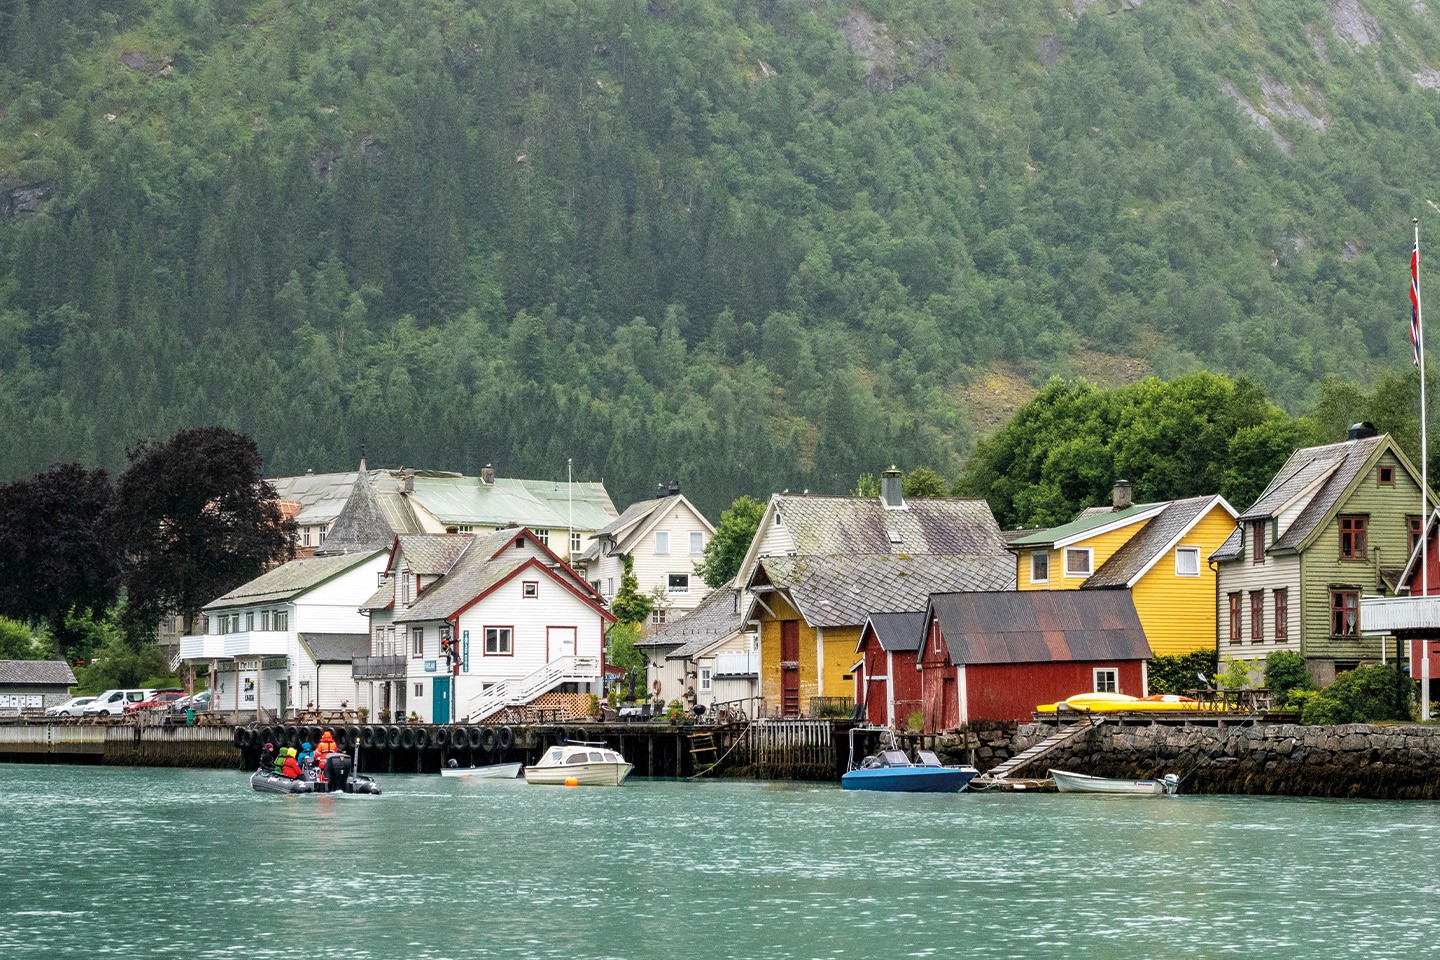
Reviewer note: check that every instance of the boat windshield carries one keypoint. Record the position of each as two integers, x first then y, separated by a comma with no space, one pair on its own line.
612,758
579,757
596,756
928,758
894,758
553,757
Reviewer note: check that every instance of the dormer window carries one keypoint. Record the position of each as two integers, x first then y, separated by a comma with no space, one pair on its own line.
894,536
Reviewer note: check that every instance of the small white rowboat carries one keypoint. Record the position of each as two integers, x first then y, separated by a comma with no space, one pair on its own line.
495,771
1067,782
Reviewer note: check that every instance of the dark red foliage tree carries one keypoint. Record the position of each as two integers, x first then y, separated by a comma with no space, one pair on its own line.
54,554
194,519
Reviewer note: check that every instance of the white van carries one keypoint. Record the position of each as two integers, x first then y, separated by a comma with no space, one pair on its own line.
112,702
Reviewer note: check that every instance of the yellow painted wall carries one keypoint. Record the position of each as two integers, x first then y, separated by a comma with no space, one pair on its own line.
1178,613
1103,547
837,658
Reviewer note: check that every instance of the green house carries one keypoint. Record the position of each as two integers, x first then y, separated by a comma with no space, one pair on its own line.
1337,522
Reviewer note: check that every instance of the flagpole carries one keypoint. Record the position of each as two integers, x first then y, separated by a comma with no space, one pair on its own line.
1424,475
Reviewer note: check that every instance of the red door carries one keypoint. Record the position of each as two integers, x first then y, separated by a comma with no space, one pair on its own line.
790,668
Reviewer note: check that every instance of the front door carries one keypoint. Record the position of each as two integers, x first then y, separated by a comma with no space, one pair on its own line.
561,641
790,668
441,700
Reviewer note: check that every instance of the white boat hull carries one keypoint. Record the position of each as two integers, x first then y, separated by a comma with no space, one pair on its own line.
1067,782
584,774
494,771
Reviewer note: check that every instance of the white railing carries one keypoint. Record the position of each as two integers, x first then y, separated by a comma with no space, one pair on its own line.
1380,615
731,664
509,693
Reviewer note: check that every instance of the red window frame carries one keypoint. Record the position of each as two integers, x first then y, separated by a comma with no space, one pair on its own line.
1412,526
1282,613
1343,602
1235,618
1385,476
1257,616
1257,541
485,641
1352,537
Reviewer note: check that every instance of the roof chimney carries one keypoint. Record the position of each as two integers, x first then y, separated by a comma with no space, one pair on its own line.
1120,497
487,474
1361,431
674,489
892,487
407,481
659,490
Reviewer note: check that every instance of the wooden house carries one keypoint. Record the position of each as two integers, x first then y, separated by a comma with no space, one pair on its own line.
1336,523
997,655
1407,627
707,657
665,538
887,680
1157,551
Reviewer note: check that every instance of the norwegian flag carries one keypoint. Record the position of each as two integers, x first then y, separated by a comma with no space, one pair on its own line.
1415,300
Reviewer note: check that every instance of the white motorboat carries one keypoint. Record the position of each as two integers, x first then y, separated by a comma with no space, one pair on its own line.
587,764
1067,782
493,771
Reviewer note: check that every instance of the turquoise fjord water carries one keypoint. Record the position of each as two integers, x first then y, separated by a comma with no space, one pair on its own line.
139,863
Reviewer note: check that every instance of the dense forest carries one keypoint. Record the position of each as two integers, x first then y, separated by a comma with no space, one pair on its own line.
744,245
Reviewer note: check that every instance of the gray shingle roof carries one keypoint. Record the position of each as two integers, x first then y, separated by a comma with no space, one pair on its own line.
1351,462
336,647
834,591
1230,549
362,524
1040,626
289,580
847,526
715,618
1141,549
39,672
897,631
472,575
431,554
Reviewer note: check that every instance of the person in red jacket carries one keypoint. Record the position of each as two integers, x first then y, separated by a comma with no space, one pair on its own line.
291,767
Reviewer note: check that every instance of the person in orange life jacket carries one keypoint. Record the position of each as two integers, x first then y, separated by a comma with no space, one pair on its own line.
291,767
322,752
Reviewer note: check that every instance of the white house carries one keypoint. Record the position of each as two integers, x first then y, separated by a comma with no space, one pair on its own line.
666,538
706,657
278,642
465,625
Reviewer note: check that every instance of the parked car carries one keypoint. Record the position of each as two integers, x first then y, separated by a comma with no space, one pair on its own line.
70,708
199,703
160,700
112,702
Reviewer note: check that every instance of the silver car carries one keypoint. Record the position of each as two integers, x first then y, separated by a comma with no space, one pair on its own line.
70,708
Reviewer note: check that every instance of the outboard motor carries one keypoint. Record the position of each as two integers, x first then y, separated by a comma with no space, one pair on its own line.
338,767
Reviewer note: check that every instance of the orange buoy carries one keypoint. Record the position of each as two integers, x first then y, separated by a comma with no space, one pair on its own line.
571,782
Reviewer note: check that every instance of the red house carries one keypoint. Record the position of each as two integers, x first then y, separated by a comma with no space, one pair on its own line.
997,655
886,680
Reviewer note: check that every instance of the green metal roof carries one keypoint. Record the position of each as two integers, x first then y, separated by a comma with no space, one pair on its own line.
1084,524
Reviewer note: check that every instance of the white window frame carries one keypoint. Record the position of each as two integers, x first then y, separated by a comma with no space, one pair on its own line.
574,543
662,543
543,536
1089,561
1192,551
1040,555
417,641
705,679
697,542
530,589
1106,680
670,585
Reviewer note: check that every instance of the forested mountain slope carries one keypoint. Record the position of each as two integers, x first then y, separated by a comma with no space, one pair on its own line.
745,245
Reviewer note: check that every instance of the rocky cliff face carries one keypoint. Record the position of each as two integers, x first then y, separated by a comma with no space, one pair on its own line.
20,200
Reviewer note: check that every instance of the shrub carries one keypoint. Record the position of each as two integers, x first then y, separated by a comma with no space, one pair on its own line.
1364,695
1285,671
1236,675
1179,673
916,721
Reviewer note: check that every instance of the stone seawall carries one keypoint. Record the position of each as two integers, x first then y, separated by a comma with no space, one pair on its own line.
1400,761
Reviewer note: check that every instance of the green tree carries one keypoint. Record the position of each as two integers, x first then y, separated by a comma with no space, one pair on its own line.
924,483
733,536
18,643
1285,671
630,605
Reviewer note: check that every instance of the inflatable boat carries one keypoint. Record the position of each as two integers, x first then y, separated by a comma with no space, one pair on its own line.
340,777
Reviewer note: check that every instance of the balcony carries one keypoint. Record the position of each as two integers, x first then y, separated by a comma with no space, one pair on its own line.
232,646
379,668
746,664
1381,615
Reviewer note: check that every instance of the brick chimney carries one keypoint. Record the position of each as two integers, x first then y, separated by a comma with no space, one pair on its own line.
487,474
1120,497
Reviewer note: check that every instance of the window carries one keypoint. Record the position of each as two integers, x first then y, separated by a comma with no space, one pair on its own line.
530,589
657,617
1412,524
704,678
282,619
1344,613
662,541
381,577
609,586
595,585
1040,566
678,583
305,538
322,538
1352,538
1386,476
264,619
419,690
574,543
1187,561
249,620
543,536
1257,541
1257,615
1234,618
417,641
697,542
1107,680
1282,613
497,641
1077,561
377,642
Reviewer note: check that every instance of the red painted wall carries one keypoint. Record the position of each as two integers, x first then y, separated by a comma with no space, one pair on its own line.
1012,691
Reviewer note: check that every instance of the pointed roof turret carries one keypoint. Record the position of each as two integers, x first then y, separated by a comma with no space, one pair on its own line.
362,525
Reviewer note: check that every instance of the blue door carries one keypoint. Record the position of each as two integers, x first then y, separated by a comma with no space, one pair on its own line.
442,700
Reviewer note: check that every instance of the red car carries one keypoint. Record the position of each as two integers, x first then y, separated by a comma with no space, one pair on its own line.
162,699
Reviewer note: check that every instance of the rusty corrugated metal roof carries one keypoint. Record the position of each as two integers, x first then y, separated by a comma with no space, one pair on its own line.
1040,626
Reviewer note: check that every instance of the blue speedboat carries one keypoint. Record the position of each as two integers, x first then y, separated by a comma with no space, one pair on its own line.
892,771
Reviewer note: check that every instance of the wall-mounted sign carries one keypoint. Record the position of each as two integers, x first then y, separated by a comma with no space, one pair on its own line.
429,666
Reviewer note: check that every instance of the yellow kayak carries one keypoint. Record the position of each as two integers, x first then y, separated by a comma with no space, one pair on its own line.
1120,703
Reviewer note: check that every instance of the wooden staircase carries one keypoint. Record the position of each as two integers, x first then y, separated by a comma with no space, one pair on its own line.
1045,747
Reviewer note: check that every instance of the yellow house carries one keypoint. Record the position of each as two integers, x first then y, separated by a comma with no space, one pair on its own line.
819,566
1157,551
